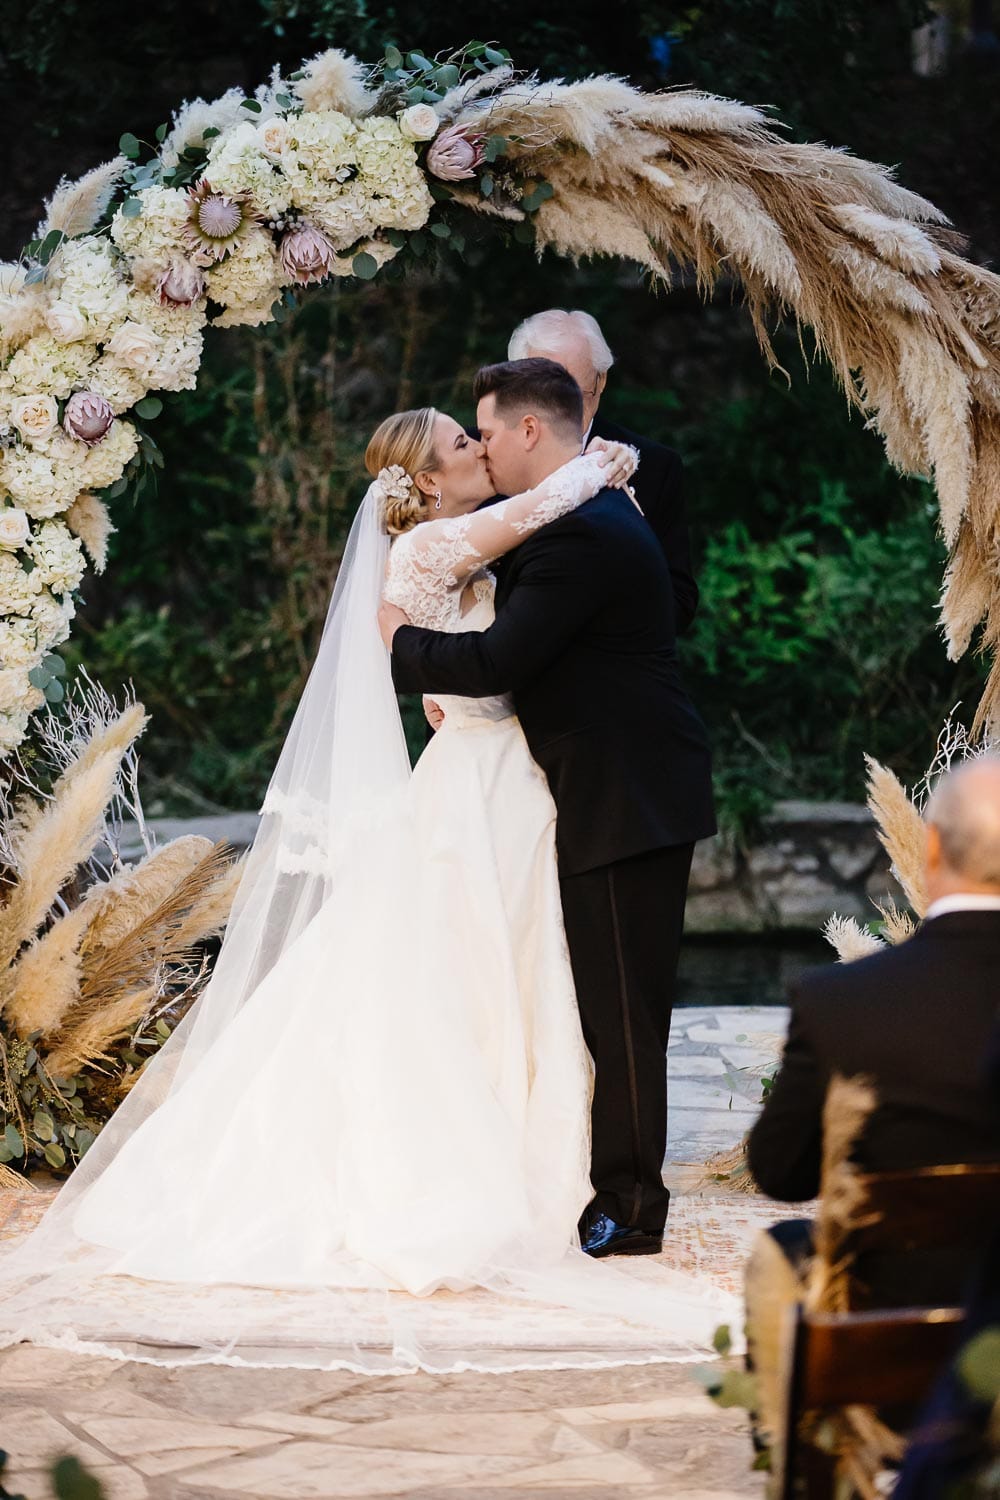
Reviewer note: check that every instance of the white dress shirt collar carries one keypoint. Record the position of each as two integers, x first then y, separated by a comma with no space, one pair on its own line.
962,901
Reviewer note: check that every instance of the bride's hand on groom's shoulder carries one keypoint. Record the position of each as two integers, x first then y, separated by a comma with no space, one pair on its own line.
390,617
618,460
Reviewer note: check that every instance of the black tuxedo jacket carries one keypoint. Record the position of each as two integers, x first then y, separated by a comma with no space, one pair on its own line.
919,1020
584,638
659,489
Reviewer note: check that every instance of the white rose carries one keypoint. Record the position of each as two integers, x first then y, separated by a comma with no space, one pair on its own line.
35,416
134,345
14,529
66,322
272,136
419,122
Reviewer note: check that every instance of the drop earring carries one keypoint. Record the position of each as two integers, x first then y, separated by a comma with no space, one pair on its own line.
437,500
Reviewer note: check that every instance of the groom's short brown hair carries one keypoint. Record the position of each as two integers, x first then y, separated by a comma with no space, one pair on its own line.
541,386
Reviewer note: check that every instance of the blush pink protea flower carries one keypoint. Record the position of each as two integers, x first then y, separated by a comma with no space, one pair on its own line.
306,254
88,417
455,154
181,284
216,221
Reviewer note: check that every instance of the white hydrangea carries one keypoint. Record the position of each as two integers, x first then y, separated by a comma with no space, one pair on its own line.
18,589
157,233
346,216
17,694
45,479
167,319
178,362
121,387
194,118
105,462
320,144
237,164
13,728
58,556
87,275
390,176
45,366
51,618
247,282
19,643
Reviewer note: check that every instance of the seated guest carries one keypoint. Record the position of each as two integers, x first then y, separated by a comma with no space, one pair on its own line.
917,1021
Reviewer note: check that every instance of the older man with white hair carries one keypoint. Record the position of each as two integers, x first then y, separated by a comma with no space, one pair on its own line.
919,1019
575,341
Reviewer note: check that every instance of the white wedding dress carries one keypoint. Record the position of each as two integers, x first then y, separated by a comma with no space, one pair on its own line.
375,1155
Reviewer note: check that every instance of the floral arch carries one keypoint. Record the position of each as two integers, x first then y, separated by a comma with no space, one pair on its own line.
343,170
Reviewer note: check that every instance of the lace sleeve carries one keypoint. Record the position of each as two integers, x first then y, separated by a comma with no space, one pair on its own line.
450,551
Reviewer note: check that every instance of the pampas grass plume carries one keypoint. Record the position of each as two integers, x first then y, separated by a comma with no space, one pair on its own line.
901,830
76,207
850,940
118,907
89,519
333,80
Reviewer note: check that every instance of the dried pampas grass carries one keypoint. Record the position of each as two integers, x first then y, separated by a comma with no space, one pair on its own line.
911,330
334,80
850,940
89,519
901,830
76,207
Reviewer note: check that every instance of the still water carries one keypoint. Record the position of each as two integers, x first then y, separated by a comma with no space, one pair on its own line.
741,971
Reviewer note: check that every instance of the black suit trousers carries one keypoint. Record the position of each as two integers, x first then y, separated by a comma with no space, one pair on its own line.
623,925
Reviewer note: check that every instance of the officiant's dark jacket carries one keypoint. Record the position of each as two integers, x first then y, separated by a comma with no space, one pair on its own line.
659,489
918,1020
585,638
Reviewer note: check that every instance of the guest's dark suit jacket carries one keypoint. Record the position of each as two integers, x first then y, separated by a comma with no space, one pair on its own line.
918,1020
659,489
585,639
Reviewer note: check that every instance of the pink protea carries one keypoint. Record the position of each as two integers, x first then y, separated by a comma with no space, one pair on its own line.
88,417
216,222
306,254
181,284
455,154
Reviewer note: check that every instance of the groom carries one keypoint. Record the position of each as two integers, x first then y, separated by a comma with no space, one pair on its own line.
585,639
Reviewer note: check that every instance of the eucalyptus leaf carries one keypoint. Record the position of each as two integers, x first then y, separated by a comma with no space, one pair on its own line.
50,245
161,133
393,57
284,101
364,266
132,208
55,664
418,60
447,75
12,1140
39,677
54,691
414,95
27,563
210,133
253,106
149,407
441,231
118,488
37,273
84,1139
6,1154
55,1155
43,1125
129,145
486,184
493,56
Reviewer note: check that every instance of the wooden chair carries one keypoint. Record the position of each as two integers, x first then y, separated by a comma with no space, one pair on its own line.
882,1357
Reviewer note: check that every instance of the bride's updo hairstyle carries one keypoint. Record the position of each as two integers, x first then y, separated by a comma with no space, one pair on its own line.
400,447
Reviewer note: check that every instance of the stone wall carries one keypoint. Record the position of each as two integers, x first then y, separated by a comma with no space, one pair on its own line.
812,859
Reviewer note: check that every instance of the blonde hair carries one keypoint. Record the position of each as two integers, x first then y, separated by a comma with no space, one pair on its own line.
405,441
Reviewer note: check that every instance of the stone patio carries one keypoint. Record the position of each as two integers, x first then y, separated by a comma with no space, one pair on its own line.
226,1434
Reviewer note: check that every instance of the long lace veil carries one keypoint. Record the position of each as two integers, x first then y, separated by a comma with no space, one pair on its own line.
343,763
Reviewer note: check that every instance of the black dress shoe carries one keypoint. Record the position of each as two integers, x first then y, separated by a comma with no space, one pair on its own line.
601,1236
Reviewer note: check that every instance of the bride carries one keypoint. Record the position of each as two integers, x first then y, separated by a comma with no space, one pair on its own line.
366,1146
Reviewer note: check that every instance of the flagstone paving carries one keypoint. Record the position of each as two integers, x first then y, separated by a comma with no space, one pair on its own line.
229,1434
